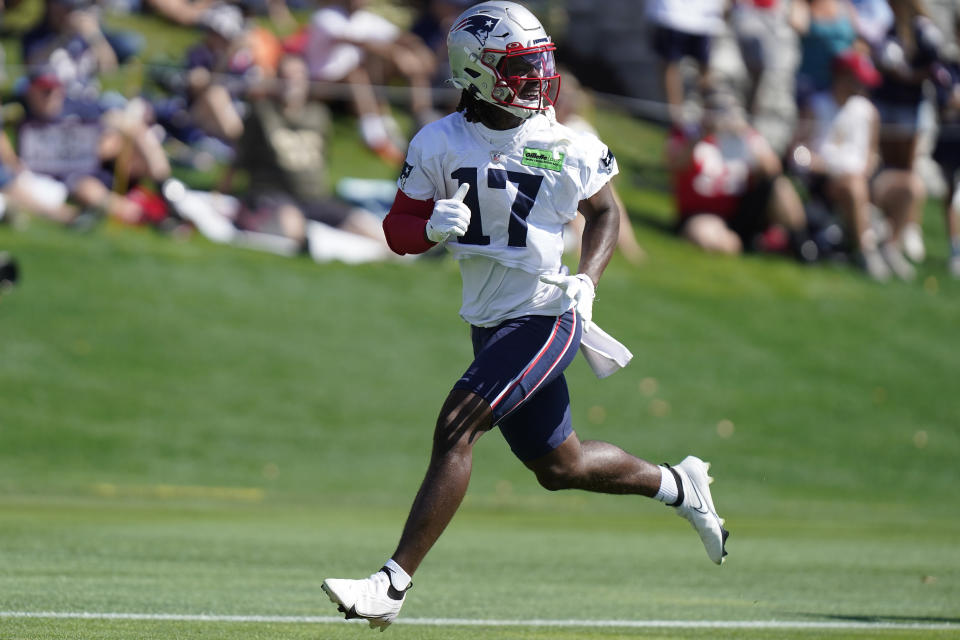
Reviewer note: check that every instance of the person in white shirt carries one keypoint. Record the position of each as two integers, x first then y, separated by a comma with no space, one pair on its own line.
342,40
497,180
840,148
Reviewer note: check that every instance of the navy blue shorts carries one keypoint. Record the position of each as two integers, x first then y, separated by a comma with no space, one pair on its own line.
518,368
672,45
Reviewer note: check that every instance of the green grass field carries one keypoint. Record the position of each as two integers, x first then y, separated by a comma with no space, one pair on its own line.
193,437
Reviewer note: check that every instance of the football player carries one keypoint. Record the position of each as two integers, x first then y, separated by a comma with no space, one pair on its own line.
496,181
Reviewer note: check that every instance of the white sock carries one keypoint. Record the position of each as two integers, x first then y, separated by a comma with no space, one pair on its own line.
398,577
668,492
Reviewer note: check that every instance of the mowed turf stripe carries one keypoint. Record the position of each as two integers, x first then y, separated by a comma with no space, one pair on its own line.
829,625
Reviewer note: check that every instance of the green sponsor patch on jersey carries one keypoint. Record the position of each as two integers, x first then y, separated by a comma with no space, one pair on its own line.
542,159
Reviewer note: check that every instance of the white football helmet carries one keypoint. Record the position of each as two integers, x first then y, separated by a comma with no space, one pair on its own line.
501,53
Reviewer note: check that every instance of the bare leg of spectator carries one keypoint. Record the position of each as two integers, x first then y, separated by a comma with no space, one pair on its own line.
900,195
626,240
182,12
92,193
149,157
292,223
136,150
214,111
365,224
673,91
852,195
21,197
785,206
417,64
711,233
372,128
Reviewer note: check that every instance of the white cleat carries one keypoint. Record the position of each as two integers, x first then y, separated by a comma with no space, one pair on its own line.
373,599
696,505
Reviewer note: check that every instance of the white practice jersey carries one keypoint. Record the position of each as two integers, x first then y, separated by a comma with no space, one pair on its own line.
525,185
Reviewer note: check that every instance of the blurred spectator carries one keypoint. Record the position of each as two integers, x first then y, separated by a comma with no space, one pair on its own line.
215,73
283,151
839,149
183,12
69,38
729,185
79,144
432,24
766,40
347,43
946,153
276,10
769,48
683,29
946,15
571,103
20,190
826,28
907,58
265,48
872,19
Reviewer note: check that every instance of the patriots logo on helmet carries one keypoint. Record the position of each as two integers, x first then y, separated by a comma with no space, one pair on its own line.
479,25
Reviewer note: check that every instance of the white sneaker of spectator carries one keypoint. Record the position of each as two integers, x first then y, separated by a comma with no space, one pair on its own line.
911,239
898,264
874,264
955,266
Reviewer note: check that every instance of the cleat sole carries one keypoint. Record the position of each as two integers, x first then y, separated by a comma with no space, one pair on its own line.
330,595
335,600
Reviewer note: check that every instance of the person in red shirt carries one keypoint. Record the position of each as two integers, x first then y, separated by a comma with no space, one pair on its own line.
729,185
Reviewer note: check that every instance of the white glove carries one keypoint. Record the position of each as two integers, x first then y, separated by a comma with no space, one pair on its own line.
450,217
580,289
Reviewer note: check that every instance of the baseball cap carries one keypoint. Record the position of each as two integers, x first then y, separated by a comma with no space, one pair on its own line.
44,76
860,65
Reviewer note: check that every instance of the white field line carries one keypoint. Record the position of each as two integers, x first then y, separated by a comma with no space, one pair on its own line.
830,625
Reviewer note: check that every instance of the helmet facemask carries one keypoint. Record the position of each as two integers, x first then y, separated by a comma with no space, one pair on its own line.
525,78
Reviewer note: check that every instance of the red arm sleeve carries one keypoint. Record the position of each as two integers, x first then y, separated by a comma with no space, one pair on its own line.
405,224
